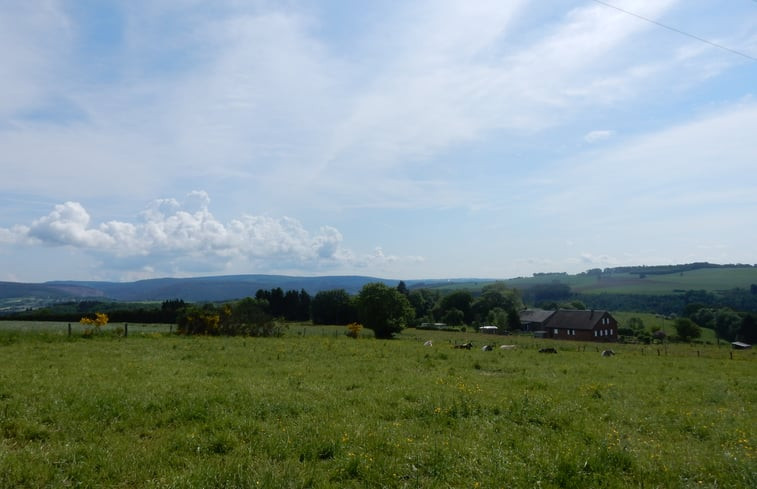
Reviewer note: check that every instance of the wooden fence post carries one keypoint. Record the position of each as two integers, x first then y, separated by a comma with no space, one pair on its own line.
126,330
69,329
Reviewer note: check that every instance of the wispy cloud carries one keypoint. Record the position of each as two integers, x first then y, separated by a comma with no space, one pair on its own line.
598,135
429,111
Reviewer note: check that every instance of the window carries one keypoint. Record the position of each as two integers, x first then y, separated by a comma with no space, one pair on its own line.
596,333
556,331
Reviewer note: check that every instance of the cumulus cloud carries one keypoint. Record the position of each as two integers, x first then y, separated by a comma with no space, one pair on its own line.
68,224
185,236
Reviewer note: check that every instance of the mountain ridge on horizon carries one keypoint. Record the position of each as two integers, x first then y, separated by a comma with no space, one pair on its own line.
230,287
200,288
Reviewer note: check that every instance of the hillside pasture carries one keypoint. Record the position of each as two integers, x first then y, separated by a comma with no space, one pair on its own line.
708,279
323,410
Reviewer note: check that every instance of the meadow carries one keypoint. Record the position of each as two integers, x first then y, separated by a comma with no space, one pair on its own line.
709,279
315,409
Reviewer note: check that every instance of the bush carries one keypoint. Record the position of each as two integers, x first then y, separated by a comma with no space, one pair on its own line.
354,329
246,317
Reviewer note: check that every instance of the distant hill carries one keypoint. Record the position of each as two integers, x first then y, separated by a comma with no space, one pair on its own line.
635,281
649,280
195,289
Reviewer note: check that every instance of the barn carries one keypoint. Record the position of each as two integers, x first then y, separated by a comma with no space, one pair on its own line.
592,325
534,319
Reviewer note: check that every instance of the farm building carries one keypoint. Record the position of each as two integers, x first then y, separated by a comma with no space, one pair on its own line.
592,325
488,329
534,319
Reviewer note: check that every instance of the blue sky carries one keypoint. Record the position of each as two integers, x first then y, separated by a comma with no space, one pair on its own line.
407,140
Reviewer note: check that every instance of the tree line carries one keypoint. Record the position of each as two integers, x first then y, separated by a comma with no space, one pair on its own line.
386,310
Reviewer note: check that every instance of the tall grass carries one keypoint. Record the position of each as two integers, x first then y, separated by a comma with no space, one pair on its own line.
319,411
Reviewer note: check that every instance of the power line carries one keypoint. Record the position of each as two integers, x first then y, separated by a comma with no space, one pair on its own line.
677,30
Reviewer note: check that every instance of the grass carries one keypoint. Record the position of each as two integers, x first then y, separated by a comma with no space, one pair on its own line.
709,279
656,321
322,410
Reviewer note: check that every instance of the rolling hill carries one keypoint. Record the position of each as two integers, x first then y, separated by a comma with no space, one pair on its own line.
668,280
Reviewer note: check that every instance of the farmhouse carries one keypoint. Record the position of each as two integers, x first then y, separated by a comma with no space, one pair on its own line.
576,325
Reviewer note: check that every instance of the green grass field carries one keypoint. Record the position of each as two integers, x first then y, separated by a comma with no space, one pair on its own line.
709,279
320,410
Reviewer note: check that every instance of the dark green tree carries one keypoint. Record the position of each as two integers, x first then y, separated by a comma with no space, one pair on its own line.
748,331
460,300
402,288
513,320
727,324
453,317
303,307
495,296
686,329
383,309
423,302
249,317
333,307
497,317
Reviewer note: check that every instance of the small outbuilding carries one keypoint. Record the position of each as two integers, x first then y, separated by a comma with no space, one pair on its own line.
738,345
488,329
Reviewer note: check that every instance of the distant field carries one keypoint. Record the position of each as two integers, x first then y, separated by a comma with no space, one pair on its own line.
61,328
710,279
321,410
656,321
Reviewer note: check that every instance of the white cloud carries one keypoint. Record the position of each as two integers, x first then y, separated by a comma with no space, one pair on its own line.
185,237
67,224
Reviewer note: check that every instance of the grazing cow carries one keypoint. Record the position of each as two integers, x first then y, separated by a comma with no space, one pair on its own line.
608,353
507,347
548,350
464,346
428,343
487,348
